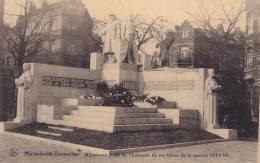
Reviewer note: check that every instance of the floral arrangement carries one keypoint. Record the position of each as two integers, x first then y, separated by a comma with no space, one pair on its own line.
118,95
154,100
140,97
102,87
91,97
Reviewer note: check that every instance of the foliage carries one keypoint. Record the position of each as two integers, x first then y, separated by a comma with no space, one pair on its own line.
154,100
102,87
118,95
140,97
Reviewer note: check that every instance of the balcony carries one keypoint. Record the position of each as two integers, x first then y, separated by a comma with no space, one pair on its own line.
184,62
252,69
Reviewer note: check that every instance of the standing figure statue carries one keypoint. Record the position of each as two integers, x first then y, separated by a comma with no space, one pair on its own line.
111,35
211,101
24,83
128,34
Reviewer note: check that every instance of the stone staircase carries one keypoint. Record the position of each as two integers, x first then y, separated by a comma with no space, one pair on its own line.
103,118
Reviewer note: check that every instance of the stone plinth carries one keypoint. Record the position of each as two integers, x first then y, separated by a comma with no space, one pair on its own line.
123,72
145,59
5,126
96,61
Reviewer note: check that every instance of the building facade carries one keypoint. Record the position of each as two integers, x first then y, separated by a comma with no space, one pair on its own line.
196,47
59,24
252,52
1,32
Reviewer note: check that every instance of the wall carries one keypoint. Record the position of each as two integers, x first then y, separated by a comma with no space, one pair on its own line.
44,94
183,86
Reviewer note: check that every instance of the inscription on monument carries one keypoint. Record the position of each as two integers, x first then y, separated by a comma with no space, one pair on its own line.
130,85
110,83
169,85
68,82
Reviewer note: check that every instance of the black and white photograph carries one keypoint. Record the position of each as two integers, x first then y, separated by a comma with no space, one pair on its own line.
147,81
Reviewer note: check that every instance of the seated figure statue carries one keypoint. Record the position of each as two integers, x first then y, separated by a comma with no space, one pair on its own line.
23,83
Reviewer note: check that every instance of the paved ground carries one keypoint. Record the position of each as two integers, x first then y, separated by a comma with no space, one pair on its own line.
232,151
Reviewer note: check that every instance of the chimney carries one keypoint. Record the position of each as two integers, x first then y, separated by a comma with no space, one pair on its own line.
44,3
186,21
32,7
220,29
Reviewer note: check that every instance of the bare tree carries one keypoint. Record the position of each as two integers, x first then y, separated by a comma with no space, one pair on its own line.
27,37
227,15
147,30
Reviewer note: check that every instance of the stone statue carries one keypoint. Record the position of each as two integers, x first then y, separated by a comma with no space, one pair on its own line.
111,34
119,41
211,101
128,33
24,83
210,83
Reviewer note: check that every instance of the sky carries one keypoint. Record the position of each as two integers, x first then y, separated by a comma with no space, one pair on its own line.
174,10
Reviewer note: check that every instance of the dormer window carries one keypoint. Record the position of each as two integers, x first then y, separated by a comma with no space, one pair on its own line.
185,34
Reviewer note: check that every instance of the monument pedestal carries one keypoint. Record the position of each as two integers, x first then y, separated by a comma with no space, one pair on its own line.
125,73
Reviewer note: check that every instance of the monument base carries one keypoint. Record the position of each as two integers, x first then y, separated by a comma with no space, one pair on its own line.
5,126
19,120
125,73
230,134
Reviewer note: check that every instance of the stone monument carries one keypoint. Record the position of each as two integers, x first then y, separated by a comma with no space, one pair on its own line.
24,83
211,101
119,41
111,36
128,34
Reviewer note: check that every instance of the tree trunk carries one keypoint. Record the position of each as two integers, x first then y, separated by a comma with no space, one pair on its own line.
19,67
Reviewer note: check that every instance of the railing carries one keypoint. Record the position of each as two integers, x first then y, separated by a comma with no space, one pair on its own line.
184,62
253,62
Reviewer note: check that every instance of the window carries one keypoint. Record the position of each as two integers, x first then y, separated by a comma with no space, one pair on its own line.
184,52
9,63
51,45
249,60
52,26
185,34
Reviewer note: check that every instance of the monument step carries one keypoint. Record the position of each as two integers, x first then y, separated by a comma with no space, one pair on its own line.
127,121
139,115
143,127
116,115
99,120
60,128
79,101
116,128
117,109
48,133
90,126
